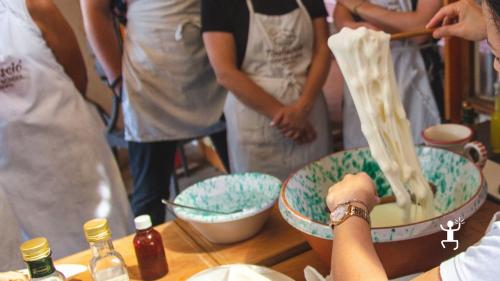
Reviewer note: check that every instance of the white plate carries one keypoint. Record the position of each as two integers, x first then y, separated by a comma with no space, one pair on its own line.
68,270
239,272
491,172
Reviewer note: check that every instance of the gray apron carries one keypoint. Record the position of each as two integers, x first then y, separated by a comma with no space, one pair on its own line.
56,168
278,55
411,76
170,89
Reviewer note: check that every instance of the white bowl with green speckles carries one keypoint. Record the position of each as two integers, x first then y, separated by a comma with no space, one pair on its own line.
403,249
252,193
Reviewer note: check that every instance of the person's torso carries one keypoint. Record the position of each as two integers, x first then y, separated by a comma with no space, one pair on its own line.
239,17
170,89
279,46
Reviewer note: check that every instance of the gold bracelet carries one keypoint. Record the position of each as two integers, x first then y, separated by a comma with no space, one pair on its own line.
355,9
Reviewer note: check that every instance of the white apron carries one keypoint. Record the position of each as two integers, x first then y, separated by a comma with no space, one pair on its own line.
415,89
277,58
56,168
10,259
170,89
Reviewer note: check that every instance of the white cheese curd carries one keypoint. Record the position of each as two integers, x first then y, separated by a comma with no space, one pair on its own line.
364,57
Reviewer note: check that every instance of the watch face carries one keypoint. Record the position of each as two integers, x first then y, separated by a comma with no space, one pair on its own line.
338,213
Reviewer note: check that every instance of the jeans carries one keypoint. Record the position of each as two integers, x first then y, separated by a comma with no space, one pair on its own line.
151,165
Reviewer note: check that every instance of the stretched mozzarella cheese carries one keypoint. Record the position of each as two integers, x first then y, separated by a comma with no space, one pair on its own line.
364,57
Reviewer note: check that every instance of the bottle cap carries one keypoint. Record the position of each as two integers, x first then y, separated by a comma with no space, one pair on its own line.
35,249
143,222
96,230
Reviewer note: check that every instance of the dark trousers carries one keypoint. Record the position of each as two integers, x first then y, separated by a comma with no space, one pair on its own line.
151,165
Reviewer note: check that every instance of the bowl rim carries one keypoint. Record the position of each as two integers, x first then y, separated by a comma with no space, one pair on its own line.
230,217
307,219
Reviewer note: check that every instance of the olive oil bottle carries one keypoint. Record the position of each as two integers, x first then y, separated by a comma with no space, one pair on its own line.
37,255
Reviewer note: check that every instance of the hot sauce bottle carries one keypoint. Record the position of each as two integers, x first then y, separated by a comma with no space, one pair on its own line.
149,250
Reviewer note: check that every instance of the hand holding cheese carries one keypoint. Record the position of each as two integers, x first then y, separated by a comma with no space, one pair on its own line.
365,61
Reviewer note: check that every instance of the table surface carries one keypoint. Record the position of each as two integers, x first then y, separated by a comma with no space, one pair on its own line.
276,242
278,246
184,257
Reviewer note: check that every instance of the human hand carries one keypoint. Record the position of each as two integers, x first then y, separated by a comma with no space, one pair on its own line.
353,187
291,119
461,19
307,135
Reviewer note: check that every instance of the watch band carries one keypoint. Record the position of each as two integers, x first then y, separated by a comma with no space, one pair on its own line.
360,212
351,211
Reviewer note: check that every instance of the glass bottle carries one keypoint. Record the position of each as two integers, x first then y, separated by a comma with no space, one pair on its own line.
37,256
495,125
106,263
149,249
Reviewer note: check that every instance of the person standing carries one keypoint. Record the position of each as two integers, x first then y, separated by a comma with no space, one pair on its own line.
273,57
169,90
393,16
56,168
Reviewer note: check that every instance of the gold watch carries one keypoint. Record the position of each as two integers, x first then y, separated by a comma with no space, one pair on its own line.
346,210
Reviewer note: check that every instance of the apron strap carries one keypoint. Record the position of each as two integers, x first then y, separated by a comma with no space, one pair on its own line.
300,4
250,7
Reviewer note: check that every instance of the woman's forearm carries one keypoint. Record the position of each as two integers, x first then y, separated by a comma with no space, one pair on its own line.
99,26
54,28
221,50
353,253
248,92
320,65
397,21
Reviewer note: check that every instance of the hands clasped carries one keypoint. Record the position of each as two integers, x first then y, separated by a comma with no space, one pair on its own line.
292,121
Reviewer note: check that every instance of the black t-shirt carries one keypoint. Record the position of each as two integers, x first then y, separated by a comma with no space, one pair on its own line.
232,16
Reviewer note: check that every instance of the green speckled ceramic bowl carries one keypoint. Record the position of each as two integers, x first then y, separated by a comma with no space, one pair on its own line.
460,192
253,193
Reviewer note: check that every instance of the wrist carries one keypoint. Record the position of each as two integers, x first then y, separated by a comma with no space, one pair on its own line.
353,201
304,105
347,210
357,199
273,109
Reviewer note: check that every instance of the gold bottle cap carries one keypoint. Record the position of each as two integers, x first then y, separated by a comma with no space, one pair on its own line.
96,230
35,249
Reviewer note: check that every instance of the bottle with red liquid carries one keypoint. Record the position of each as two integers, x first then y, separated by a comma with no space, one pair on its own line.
149,250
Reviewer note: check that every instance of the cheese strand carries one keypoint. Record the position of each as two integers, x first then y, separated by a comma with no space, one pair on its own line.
364,57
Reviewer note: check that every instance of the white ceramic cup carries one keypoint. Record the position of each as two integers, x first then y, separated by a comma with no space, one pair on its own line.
456,138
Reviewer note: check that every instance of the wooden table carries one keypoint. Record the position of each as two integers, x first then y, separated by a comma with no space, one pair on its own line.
276,242
278,246
184,257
